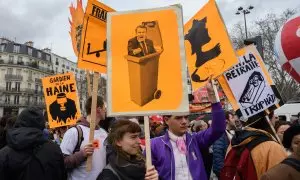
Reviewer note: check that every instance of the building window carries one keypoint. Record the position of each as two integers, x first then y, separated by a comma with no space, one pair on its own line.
16,100
11,59
29,85
67,67
76,70
30,75
2,47
35,100
36,89
63,66
47,57
39,54
9,70
20,60
16,48
72,69
30,51
28,100
7,99
8,86
56,63
17,86
56,69
18,72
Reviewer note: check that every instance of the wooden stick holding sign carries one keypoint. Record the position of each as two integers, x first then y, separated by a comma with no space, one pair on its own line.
214,85
93,117
88,79
273,130
147,141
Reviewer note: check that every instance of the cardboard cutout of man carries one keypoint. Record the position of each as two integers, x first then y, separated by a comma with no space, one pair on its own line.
140,46
63,108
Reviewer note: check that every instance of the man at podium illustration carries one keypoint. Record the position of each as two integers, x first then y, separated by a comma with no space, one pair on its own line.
139,45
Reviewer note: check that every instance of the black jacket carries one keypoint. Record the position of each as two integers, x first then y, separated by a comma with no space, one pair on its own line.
28,156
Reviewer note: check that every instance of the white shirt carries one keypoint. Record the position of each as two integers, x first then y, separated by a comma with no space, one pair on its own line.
99,156
182,171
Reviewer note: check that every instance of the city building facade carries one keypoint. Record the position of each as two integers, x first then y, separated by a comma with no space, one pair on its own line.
21,68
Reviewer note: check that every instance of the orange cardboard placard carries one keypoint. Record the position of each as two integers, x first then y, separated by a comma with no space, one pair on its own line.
60,92
146,62
209,51
92,55
77,15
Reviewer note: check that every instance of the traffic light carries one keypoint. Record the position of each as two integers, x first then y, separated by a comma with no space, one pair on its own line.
257,41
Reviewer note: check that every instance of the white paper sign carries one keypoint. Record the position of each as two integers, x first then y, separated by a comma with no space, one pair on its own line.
249,85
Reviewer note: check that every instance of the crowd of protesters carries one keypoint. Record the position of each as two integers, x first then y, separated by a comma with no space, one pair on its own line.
220,147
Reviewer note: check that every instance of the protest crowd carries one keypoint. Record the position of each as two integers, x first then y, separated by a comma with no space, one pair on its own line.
181,149
144,129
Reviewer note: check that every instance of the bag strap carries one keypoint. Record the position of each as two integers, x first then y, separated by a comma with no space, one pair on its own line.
256,141
293,163
79,139
108,166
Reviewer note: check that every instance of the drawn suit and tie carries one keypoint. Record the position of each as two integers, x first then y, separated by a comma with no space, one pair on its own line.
140,46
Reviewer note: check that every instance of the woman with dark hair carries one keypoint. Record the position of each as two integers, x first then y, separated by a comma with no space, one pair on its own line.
124,155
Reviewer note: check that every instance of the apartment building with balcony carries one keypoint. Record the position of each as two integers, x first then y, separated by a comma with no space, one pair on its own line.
21,68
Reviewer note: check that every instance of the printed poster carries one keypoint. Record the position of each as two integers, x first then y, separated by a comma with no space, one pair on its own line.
60,92
146,62
249,84
209,50
92,55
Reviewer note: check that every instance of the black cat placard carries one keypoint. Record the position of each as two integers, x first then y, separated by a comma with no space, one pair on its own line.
209,50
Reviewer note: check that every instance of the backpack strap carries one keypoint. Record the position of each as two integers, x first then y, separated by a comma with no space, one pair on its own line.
108,166
292,162
256,141
80,138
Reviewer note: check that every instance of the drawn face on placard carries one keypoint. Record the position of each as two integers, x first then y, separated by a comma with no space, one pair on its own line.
141,33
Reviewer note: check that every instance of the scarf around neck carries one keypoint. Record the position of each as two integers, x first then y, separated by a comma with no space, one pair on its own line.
127,167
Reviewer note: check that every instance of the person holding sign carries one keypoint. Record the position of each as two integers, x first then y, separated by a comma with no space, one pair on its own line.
125,158
76,150
177,154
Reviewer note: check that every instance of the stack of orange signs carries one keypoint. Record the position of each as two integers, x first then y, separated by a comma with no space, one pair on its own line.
60,93
248,85
146,62
208,47
92,55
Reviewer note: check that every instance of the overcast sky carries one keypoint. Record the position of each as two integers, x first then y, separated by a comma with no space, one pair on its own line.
46,21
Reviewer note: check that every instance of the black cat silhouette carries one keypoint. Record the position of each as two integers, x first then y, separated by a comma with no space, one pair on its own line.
198,36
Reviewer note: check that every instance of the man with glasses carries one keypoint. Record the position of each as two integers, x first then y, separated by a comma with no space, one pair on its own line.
177,154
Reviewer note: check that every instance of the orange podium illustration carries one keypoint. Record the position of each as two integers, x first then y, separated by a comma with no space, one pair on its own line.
146,62
143,61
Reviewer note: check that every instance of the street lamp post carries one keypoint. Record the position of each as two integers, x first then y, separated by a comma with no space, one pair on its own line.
244,11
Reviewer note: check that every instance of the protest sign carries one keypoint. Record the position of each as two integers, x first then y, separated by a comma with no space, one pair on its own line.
92,55
209,51
60,92
77,15
248,86
146,62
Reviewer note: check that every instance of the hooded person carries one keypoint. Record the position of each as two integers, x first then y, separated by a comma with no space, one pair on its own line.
28,155
290,167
